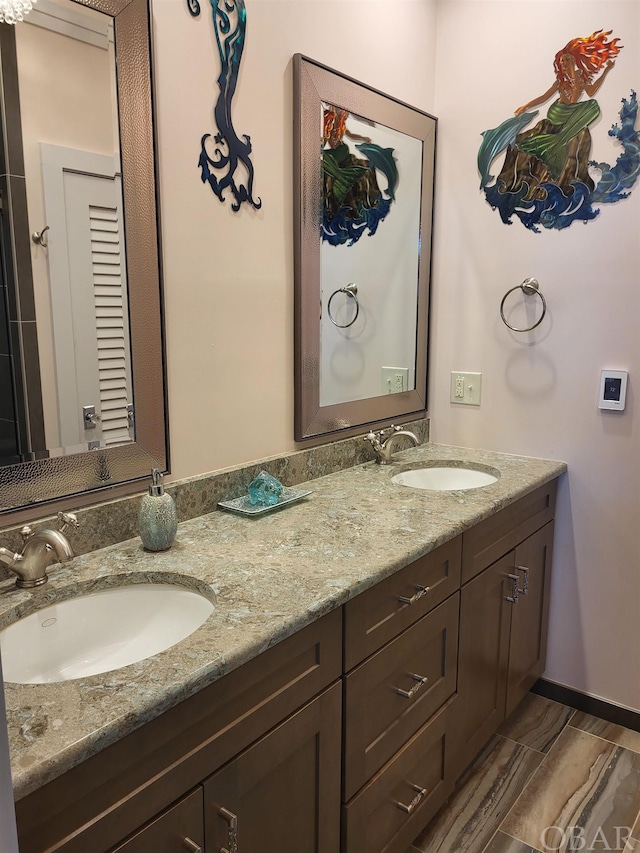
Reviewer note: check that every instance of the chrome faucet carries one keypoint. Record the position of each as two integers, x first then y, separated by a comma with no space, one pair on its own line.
383,446
41,549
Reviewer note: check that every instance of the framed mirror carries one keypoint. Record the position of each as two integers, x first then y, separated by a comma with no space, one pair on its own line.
364,172
81,299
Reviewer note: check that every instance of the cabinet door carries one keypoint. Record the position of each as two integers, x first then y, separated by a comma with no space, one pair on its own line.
178,829
282,793
528,647
485,618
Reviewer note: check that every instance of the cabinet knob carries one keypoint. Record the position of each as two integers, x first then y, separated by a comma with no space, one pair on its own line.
415,802
420,680
420,591
191,846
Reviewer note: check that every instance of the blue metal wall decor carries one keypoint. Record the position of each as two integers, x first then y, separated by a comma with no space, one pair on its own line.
353,203
548,178
218,169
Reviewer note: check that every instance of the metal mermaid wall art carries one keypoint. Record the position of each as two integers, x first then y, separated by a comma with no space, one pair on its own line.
353,203
230,153
547,178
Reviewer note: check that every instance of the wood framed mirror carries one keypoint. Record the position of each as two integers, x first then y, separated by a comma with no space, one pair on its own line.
46,472
364,186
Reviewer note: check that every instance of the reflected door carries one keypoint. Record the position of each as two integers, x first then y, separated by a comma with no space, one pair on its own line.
89,307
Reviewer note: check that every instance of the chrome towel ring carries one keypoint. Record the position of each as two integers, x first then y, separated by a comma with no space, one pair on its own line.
529,287
351,290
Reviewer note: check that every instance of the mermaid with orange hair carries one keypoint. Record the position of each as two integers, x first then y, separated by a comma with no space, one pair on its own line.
554,154
562,142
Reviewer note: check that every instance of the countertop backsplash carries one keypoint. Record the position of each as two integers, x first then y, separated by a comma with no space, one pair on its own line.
117,520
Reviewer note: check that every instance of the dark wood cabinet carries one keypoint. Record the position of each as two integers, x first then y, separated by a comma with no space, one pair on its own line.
393,693
282,793
392,808
180,829
503,630
401,638
483,660
530,616
466,659
498,534
383,611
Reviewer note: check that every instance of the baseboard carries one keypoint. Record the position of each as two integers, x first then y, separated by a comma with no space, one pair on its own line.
615,714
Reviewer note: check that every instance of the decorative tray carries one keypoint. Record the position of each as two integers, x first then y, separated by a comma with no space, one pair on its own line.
243,505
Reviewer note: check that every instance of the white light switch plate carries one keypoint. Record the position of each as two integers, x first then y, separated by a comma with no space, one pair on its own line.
466,387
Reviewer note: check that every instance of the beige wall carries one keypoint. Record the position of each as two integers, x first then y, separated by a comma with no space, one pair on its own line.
229,276
539,391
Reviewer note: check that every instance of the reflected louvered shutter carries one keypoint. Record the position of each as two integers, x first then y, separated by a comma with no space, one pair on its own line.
107,258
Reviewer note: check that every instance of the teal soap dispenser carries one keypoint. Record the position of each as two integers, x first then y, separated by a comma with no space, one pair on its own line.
158,519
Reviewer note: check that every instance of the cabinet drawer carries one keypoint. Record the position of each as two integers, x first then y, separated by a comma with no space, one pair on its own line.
391,810
172,830
103,799
379,717
492,538
379,614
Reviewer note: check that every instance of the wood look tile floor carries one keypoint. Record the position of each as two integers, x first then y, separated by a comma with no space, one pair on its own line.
552,780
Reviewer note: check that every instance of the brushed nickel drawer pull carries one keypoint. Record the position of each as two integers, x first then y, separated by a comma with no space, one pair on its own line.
191,846
515,581
415,802
232,820
420,680
525,586
420,591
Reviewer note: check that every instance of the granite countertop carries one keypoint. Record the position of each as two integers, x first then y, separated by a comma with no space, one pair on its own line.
270,575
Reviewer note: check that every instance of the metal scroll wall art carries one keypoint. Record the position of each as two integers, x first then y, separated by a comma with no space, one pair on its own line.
230,152
545,179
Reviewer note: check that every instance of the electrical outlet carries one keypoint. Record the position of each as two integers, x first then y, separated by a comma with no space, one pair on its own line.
466,387
395,380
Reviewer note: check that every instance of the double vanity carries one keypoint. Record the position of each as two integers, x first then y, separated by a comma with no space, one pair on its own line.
363,645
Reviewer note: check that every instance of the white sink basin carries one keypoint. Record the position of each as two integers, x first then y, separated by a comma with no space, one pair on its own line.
100,631
447,479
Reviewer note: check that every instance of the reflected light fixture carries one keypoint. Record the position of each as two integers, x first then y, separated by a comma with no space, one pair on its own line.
12,11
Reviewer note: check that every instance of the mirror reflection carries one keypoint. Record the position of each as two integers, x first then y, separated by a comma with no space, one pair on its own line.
365,350
83,403
70,136
364,186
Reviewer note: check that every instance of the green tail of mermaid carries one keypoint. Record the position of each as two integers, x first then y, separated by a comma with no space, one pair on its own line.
551,148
